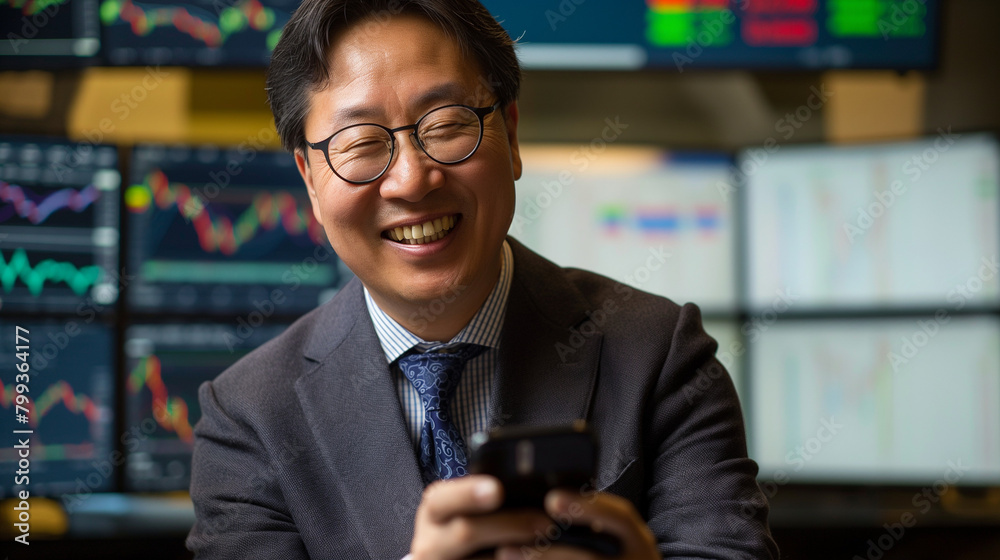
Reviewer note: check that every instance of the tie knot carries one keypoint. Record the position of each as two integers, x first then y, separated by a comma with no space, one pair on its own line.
435,375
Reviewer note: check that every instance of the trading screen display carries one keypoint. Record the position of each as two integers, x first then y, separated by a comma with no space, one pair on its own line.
165,365
890,225
654,220
685,34
70,413
201,33
224,230
59,236
879,400
48,33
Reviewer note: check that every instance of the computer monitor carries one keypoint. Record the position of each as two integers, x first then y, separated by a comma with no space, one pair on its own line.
654,220
198,33
71,391
224,230
884,401
55,34
891,225
59,236
164,366
688,34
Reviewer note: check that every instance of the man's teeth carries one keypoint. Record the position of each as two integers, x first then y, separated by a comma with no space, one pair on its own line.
423,233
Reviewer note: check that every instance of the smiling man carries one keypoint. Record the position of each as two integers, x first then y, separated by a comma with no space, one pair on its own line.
322,443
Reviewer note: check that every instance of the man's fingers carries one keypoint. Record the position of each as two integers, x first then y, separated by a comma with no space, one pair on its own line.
513,527
466,535
467,495
605,514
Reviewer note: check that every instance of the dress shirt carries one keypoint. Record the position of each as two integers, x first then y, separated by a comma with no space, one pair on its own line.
469,407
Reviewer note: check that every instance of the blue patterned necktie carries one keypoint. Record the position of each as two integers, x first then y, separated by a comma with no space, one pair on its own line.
435,376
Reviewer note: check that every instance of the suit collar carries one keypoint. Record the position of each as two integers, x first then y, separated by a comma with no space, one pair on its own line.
351,405
547,369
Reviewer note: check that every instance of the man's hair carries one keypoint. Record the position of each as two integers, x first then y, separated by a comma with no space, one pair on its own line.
299,63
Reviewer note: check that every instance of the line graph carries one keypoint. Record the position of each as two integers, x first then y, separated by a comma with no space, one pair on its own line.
170,412
58,392
209,229
37,208
72,441
71,407
266,211
213,30
49,270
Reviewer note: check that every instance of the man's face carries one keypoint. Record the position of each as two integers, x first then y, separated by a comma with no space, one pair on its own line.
392,73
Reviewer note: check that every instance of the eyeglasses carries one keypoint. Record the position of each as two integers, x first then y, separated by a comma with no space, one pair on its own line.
362,153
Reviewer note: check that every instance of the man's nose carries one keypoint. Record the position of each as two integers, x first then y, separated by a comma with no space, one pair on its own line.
413,174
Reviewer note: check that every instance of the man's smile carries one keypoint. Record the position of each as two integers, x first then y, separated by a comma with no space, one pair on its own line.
423,232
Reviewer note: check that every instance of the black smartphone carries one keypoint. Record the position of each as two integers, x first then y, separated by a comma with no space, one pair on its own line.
531,460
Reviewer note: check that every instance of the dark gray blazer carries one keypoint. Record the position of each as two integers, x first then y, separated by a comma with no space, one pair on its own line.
302,451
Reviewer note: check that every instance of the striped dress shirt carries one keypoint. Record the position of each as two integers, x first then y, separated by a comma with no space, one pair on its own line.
469,406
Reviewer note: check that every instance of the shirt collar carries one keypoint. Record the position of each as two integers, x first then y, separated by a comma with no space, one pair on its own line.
482,329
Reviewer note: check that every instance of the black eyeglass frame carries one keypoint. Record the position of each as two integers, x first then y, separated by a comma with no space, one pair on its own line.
480,112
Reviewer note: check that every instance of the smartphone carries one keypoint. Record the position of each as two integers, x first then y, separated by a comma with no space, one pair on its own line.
531,460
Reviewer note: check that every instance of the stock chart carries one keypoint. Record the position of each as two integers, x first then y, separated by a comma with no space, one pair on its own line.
165,365
200,33
651,219
895,225
217,230
71,413
910,395
59,233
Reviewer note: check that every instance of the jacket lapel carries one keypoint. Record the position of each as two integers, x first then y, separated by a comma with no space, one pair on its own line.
351,405
547,368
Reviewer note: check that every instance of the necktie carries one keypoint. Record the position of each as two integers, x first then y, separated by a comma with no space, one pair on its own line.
435,376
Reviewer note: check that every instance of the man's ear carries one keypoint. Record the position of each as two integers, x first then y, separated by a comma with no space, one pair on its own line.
306,172
512,116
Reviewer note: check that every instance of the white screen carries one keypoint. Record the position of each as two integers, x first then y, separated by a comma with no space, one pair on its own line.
816,228
641,216
905,411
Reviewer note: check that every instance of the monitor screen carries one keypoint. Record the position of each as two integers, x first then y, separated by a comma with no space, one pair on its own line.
650,219
892,401
58,226
686,34
71,391
57,33
200,33
164,366
887,225
220,231
673,34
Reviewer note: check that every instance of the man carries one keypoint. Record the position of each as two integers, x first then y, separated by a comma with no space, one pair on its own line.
403,120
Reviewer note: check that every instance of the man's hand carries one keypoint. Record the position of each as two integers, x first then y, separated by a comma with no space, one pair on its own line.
602,512
458,517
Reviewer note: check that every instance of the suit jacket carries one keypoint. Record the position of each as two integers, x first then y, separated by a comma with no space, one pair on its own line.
302,449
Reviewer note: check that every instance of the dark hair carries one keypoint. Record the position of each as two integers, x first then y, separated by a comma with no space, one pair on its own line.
299,62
